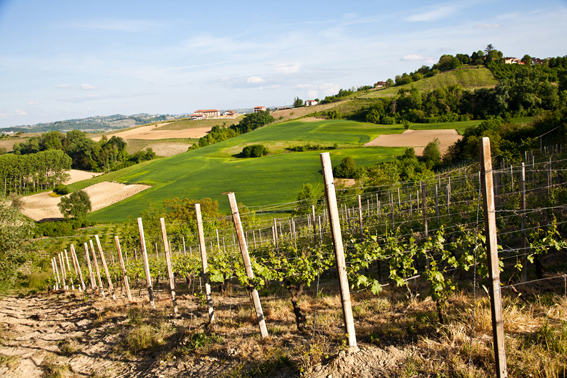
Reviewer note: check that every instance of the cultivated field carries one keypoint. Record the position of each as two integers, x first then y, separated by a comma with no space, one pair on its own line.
43,206
156,132
417,139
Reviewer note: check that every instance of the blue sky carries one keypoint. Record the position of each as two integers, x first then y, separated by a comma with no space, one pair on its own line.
73,59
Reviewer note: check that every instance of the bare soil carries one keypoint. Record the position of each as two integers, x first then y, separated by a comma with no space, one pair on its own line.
168,149
77,175
417,139
43,206
154,132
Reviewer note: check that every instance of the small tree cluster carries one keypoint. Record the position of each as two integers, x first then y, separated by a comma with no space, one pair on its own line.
255,150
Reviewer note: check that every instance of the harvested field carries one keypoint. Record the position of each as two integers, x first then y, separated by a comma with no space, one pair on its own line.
43,206
77,175
417,139
153,132
168,149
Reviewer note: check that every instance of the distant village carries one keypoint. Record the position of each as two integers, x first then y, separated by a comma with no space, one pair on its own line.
216,114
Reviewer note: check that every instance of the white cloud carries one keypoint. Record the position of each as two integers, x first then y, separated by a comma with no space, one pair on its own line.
303,86
286,68
488,26
433,15
87,87
225,79
412,57
17,113
312,94
33,103
275,86
62,86
255,80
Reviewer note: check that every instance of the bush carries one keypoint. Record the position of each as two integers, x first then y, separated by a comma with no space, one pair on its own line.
61,189
255,150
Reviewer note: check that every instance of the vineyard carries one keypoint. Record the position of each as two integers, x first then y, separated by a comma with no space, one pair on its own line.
425,244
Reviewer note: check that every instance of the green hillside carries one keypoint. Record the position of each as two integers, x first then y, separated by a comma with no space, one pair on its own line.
214,170
470,78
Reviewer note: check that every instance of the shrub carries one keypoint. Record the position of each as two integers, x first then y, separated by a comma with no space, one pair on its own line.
255,150
61,189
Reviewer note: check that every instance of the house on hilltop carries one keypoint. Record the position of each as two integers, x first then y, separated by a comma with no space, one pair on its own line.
229,113
198,116
259,108
380,84
210,113
310,103
512,60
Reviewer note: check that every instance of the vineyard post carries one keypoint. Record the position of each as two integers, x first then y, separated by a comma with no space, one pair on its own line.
497,190
247,264
254,236
167,250
124,275
548,170
63,273
378,206
512,177
492,254
184,249
260,234
77,267
424,207
91,274
294,234
437,202
320,232
449,197
69,269
276,239
55,273
391,208
95,263
360,215
314,223
146,262
110,287
368,208
218,241
399,200
339,249
410,206
523,206
204,261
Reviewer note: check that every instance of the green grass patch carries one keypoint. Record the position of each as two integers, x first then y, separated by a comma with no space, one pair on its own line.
467,78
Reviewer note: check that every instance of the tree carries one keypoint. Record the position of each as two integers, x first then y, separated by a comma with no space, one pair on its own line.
16,244
255,150
431,153
527,60
297,102
347,169
76,205
306,197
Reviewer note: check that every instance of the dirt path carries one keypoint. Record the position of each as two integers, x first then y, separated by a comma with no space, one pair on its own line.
417,139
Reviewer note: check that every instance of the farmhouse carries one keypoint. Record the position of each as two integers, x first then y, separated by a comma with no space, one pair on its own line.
259,108
310,103
210,113
198,116
380,84
512,60
229,113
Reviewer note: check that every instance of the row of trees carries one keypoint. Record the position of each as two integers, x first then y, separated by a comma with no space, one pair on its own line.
86,154
28,173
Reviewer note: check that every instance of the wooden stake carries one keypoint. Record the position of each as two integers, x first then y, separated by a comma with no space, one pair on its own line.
339,250
95,263
77,267
63,273
168,262
493,261
437,202
58,281
523,208
204,262
110,287
69,270
91,274
146,262
360,215
124,275
247,265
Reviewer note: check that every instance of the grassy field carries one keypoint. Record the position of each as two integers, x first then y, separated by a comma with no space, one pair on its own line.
213,170
469,78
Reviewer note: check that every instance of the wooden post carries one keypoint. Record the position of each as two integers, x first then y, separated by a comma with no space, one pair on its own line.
204,261
399,200
449,199
110,287
493,262
410,206
91,274
56,273
437,202
247,265
77,267
218,240
184,249
391,208
123,268
523,208
63,273
146,262
360,215
168,263
95,263
339,250
275,232
69,270
314,223
548,170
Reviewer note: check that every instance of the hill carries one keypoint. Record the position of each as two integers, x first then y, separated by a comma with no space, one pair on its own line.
216,169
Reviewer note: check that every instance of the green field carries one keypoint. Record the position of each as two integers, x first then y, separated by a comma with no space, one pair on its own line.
467,78
213,170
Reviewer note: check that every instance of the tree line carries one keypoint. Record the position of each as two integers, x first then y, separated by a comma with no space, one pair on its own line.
102,156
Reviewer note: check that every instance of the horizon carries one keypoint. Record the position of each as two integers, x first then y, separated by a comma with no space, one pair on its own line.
66,60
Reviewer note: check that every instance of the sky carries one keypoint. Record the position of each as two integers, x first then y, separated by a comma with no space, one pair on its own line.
74,59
